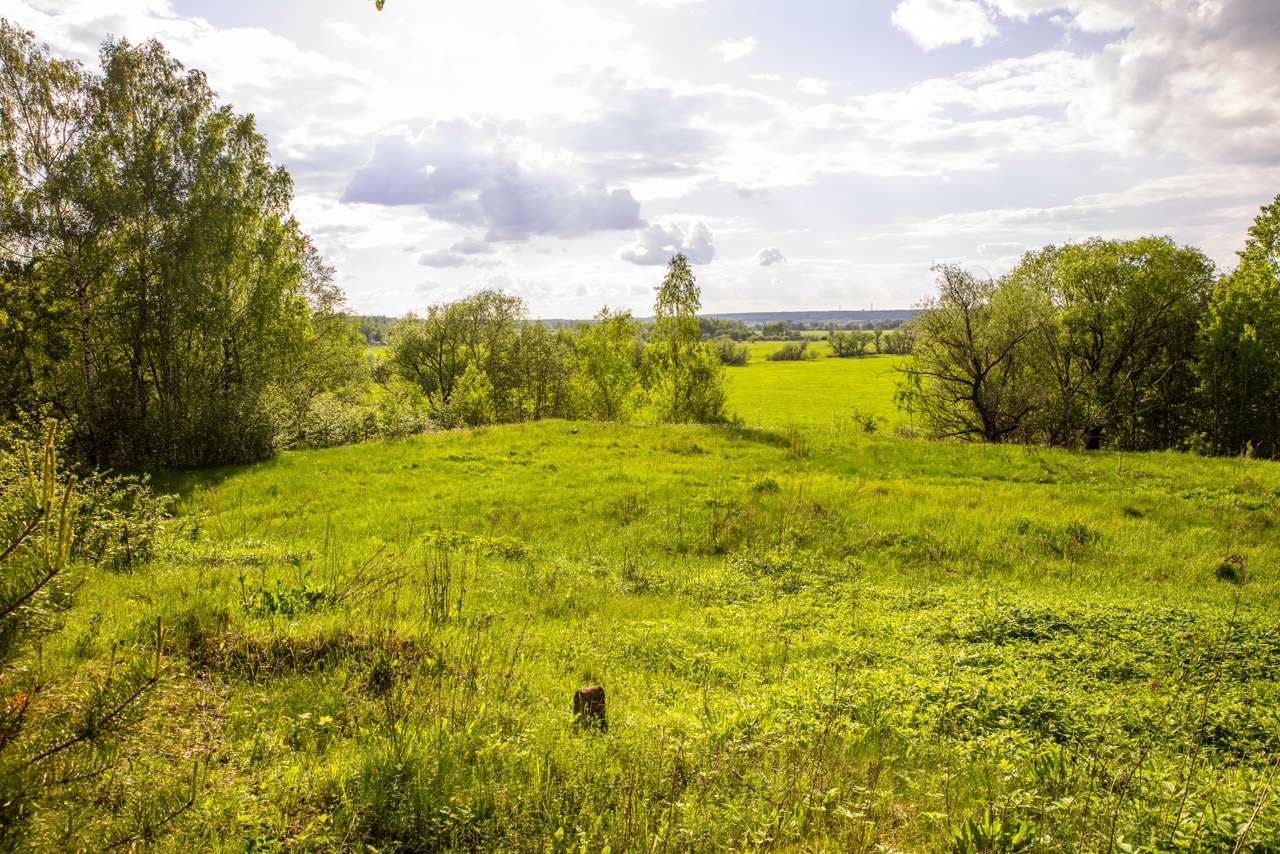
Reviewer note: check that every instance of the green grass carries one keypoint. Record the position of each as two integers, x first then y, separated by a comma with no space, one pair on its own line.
811,638
821,392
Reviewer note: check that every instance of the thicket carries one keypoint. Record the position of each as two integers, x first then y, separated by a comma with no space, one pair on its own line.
1106,343
480,360
155,291
849,344
792,352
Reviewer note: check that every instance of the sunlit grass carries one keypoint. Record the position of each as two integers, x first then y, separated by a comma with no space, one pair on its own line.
810,635
817,392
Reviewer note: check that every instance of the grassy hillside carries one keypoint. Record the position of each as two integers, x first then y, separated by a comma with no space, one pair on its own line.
810,639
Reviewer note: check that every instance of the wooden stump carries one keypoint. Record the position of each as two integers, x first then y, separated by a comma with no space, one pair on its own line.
588,708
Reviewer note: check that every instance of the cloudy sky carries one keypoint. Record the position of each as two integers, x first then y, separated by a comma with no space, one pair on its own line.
805,155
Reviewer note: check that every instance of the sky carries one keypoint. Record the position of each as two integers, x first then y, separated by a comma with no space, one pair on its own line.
804,155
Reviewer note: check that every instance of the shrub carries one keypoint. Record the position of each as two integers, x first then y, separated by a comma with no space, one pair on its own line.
791,352
845,345
860,419
731,352
60,735
338,419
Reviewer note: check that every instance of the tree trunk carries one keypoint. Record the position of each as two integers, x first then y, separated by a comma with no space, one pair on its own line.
96,437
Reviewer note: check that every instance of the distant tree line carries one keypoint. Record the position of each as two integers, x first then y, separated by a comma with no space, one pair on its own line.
1132,344
375,328
480,360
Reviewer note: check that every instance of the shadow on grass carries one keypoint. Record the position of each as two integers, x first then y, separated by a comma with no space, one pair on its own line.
185,483
735,432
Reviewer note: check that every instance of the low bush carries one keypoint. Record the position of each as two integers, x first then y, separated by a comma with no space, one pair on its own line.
792,352
730,351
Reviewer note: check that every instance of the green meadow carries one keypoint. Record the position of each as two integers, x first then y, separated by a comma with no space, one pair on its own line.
820,392
811,638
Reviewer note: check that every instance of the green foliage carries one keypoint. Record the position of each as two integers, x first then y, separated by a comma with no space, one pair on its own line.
682,374
791,352
393,410
730,351
860,418
156,288
848,344
479,361
774,329
289,601
1115,354
1078,346
61,733
1239,347
375,328
992,833
119,526
970,378
606,378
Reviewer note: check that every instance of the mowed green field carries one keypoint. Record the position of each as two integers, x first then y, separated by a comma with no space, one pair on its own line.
821,392
810,638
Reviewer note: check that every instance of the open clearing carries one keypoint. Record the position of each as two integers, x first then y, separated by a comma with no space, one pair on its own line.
821,392
810,638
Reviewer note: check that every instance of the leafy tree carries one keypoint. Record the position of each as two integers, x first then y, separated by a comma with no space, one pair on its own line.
792,352
901,341
683,375
1078,345
774,329
332,349
543,363
1238,364
605,375
1115,355
847,344
730,351
970,376
159,291
478,332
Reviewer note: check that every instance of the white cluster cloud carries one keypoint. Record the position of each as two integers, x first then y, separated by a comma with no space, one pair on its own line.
658,243
770,256
937,23
812,85
731,51
1200,78
471,173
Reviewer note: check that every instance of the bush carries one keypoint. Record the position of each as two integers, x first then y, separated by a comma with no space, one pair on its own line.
861,419
731,352
59,735
337,419
848,344
119,523
791,352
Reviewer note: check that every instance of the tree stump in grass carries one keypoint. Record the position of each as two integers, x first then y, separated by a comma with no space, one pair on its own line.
588,708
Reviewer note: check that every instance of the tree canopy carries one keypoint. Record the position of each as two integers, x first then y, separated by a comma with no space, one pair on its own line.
683,374
1079,345
1238,364
156,287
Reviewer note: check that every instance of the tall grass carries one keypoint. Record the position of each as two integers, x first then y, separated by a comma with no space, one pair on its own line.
811,638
